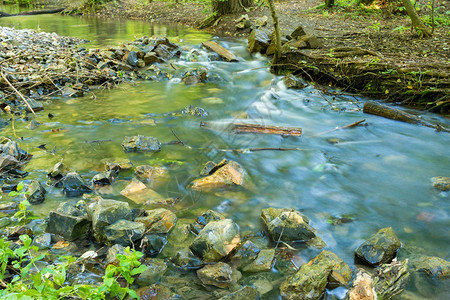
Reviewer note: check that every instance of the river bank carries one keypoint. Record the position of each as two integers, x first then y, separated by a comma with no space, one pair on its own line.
383,59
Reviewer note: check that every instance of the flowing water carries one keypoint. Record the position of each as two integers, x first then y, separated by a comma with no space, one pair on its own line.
378,174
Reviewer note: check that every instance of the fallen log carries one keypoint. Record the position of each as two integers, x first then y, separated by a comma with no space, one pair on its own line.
375,108
222,52
260,129
32,13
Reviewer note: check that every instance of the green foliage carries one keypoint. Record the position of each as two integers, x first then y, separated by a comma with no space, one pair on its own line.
31,282
23,215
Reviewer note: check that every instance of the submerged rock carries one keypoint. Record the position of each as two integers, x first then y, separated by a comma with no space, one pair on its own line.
42,241
70,227
216,240
290,224
154,175
432,266
158,220
124,232
218,274
292,82
246,292
258,41
141,143
205,218
263,261
73,185
155,270
111,254
340,274
246,254
138,192
194,111
229,175
58,171
441,183
36,192
184,259
379,248
391,279
153,244
157,292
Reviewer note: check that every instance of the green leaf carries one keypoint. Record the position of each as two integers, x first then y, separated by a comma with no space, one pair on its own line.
132,294
139,270
19,186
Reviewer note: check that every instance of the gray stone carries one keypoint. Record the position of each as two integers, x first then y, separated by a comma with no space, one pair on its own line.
229,175
124,232
441,183
218,274
131,58
111,254
432,266
258,41
36,192
141,143
43,241
158,220
184,259
205,218
73,185
67,226
293,82
216,240
379,248
247,253
391,279
151,58
298,32
290,224
246,292
263,261
155,270
154,243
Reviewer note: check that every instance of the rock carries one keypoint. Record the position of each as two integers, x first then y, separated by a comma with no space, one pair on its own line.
141,143
111,254
247,293
133,187
362,288
151,58
391,279
245,255
261,22
5,221
69,227
292,82
154,243
73,185
204,219
118,165
263,284
194,111
441,183
157,292
218,274
263,262
124,232
432,266
186,260
158,220
340,274
155,270
35,105
154,175
229,175
11,148
222,52
8,162
216,240
298,32
58,171
311,41
379,248
36,192
292,223
130,58
258,41
139,193
104,178
43,241
33,124
107,212
243,22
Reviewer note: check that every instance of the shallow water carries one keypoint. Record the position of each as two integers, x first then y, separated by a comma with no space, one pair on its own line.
379,174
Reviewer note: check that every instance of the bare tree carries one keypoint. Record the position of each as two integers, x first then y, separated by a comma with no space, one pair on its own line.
276,26
417,23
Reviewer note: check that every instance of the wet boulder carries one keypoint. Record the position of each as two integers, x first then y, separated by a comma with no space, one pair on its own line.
141,143
185,260
154,243
139,193
205,218
195,111
216,240
158,220
11,148
155,270
118,165
258,41
8,162
106,212
195,76
362,288
441,183
432,266
246,292
111,254
263,261
157,292
379,248
229,175
290,224
298,32
57,172
391,279
131,58
151,58
154,175
246,254
68,221
292,82
36,192
42,241
124,232
218,274
73,185
340,274
104,178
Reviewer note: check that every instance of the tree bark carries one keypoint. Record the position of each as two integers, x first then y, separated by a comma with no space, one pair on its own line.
224,7
276,26
36,12
415,20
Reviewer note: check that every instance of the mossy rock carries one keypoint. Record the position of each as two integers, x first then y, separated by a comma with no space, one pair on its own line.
379,248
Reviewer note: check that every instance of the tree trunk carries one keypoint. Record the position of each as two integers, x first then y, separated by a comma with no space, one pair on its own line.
223,7
37,12
329,3
276,26
417,23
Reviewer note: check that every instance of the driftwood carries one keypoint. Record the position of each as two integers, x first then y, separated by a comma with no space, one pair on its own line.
375,108
263,129
32,13
343,127
224,53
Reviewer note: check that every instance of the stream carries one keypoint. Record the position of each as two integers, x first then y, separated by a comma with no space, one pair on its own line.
378,174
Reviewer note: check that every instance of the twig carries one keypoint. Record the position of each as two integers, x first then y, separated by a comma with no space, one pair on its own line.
179,140
267,148
18,93
282,230
343,127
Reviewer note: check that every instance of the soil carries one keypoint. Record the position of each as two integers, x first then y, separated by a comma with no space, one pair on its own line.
395,63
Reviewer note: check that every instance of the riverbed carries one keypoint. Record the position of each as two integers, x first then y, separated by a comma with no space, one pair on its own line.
377,174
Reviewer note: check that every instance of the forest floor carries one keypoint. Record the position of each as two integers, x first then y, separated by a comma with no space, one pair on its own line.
395,64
